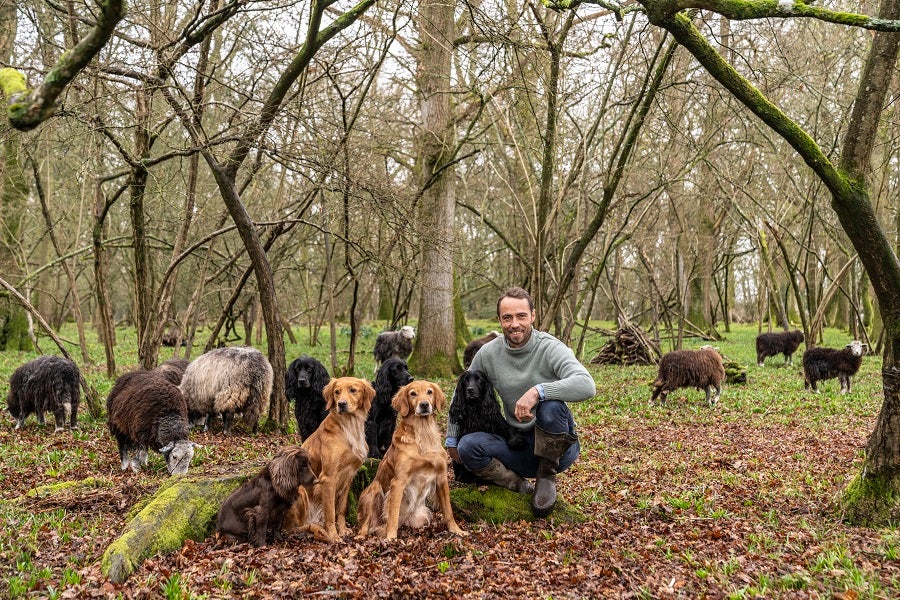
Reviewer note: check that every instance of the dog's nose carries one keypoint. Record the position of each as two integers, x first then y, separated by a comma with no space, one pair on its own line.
424,408
342,406
409,379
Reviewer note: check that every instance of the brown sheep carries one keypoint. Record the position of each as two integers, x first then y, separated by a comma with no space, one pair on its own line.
144,410
474,346
702,369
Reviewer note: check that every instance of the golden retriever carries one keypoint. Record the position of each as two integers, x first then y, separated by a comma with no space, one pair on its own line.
336,451
413,472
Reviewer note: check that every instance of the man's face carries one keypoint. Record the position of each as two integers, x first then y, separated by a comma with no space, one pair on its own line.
516,320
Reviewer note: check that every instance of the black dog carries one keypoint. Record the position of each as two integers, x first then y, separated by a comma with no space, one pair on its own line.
475,408
304,381
255,511
392,375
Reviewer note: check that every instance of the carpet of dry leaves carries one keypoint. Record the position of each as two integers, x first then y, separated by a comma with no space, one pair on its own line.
682,502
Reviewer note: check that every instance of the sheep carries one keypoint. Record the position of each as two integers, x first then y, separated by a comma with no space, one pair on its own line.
172,369
474,346
227,381
827,363
779,342
45,384
702,369
144,409
394,343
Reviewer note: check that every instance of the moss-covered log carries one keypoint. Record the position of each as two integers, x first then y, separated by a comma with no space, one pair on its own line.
183,508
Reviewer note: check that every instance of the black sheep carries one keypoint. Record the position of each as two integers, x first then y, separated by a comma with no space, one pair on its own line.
45,384
827,363
145,410
304,381
778,342
701,369
394,344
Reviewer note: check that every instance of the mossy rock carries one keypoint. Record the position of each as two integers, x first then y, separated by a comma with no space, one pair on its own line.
182,508
497,505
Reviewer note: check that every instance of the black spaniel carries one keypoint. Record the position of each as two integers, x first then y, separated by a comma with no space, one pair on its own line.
391,376
304,381
475,408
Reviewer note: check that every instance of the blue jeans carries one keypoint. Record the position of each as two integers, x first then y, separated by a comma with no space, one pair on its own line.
553,416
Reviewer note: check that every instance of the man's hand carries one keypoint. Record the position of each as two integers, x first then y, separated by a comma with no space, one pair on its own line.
454,455
524,405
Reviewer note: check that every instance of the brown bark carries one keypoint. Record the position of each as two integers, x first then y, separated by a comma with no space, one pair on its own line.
435,349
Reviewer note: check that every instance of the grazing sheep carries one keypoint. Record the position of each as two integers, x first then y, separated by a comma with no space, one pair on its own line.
474,346
702,369
827,363
394,344
227,381
145,410
779,342
45,384
172,369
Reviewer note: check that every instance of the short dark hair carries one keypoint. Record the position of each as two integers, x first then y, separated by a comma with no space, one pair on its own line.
517,293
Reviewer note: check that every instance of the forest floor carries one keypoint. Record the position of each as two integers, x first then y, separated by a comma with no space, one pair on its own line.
683,501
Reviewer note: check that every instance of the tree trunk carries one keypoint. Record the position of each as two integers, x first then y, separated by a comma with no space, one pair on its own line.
435,350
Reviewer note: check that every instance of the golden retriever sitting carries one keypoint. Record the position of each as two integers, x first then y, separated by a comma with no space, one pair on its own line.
255,511
336,451
414,469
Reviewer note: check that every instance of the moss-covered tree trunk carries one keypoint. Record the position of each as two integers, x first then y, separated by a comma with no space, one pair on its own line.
435,351
13,191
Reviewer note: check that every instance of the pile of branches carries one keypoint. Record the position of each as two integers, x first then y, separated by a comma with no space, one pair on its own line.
629,346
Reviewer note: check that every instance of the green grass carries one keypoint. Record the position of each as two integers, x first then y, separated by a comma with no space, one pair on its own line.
680,473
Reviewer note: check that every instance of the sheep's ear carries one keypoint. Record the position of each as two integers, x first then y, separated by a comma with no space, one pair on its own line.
167,448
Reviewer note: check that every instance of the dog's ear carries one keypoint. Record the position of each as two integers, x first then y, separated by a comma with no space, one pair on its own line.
285,469
367,395
400,401
320,375
439,398
328,392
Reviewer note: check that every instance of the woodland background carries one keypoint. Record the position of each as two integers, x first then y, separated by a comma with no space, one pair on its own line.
585,156
242,171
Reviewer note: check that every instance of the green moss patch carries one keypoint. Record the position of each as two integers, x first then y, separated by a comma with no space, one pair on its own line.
872,501
498,505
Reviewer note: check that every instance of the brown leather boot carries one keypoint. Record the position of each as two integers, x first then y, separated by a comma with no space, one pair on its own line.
549,448
497,473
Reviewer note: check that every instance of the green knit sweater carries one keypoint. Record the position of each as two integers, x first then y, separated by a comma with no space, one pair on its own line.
542,360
